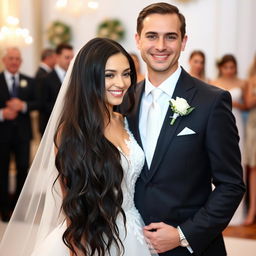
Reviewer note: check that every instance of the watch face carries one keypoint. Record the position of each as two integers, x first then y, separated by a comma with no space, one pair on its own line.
184,243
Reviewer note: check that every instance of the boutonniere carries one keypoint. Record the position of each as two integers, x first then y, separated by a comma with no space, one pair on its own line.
180,107
23,83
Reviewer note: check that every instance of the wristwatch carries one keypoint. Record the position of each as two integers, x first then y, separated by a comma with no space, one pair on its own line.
183,240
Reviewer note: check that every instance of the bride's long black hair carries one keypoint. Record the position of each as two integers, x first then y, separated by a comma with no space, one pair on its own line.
89,165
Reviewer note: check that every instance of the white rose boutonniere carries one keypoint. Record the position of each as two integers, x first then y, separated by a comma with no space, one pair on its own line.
23,83
180,107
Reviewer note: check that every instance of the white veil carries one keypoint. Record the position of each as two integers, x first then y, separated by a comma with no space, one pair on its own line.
38,210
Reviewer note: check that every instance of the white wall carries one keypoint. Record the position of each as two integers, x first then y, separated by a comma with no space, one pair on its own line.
214,26
27,20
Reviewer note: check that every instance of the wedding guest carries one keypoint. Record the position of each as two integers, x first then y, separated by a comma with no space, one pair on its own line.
250,98
189,144
136,60
48,61
197,65
17,99
228,80
51,83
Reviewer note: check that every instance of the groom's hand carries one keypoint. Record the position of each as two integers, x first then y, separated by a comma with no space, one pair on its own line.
162,237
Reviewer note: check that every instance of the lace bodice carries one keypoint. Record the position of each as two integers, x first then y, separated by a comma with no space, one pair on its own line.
132,165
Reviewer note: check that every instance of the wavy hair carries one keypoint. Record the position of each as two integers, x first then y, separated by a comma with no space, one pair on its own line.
89,165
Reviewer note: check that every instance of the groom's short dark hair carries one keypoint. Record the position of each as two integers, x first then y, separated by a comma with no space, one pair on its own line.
161,8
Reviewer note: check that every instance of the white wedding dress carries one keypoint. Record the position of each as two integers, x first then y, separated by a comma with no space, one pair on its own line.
133,240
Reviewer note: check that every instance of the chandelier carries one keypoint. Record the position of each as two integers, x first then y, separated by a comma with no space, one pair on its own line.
12,35
76,7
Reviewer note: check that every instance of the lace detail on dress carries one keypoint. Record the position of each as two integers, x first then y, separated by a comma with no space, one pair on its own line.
132,165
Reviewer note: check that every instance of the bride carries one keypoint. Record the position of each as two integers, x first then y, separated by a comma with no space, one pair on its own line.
78,197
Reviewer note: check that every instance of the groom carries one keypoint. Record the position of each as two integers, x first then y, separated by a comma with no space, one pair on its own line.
174,192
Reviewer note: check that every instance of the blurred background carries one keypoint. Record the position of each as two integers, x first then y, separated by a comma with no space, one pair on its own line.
216,27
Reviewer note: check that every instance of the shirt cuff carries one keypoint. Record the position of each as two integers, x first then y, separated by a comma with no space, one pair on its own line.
1,115
25,108
183,236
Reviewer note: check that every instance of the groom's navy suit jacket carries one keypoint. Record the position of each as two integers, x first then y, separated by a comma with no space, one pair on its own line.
177,189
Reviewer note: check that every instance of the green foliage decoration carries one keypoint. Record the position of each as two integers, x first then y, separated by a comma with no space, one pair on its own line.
112,29
58,32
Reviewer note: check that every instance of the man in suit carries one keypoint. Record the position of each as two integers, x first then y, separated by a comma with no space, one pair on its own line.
50,86
48,61
17,99
187,153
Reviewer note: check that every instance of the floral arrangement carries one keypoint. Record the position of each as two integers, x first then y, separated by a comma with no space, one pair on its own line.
58,32
112,29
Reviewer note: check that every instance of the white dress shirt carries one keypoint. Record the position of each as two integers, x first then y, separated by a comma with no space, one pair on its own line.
8,78
167,87
60,72
45,67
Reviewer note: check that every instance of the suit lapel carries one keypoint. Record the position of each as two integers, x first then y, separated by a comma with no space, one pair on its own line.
186,90
4,87
57,81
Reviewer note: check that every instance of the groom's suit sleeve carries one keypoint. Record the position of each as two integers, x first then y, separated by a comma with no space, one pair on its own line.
221,143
